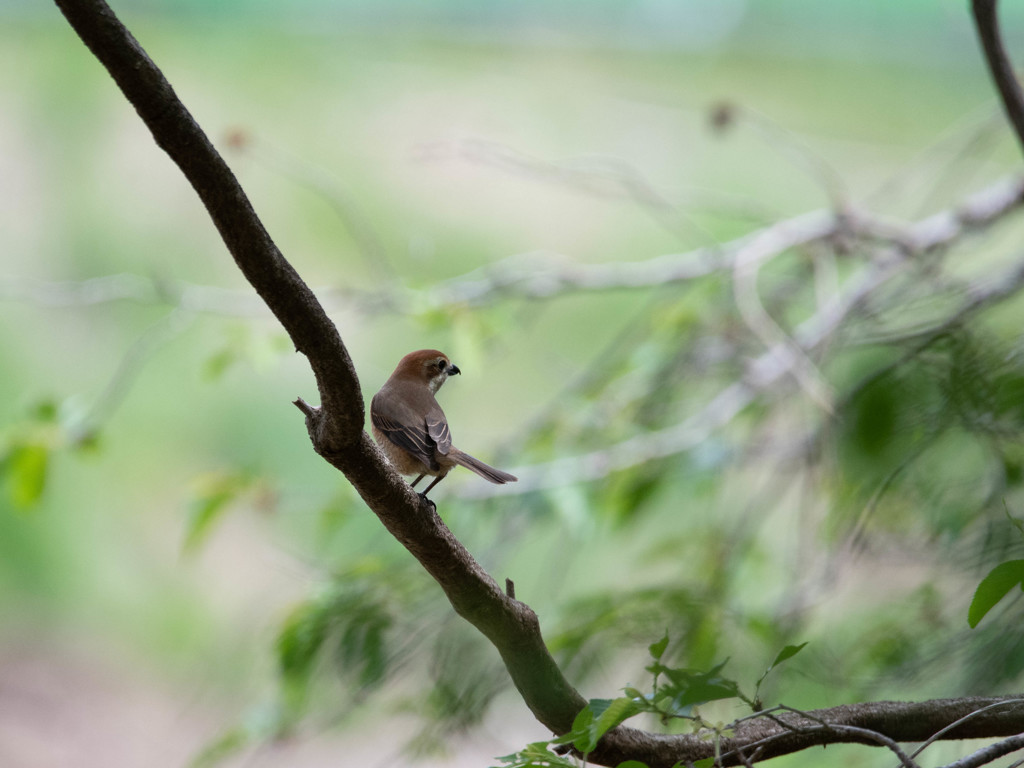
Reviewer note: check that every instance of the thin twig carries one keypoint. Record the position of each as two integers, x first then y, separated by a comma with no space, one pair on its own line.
764,327
878,738
798,152
988,754
939,734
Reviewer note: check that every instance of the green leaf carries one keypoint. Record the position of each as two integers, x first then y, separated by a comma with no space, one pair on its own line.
993,588
45,411
688,688
596,719
26,466
218,363
580,733
658,649
537,755
299,645
613,712
301,639
786,653
216,491
631,764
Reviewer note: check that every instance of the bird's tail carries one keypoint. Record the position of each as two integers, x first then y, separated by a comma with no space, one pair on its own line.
496,476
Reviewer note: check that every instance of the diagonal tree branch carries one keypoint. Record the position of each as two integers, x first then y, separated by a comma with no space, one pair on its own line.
274,279
336,430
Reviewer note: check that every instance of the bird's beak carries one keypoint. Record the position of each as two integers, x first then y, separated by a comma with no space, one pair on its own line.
453,370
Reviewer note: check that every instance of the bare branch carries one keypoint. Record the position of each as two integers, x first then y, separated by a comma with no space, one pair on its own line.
855,734
543,275
764,327
877,723
987,21
988,754
778,361
939,734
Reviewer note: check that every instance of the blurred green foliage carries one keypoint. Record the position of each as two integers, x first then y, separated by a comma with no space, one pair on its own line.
387,161
675,695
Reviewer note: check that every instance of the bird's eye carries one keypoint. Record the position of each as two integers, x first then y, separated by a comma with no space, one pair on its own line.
441,365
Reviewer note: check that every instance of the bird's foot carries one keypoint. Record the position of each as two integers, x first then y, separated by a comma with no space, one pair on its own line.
423,496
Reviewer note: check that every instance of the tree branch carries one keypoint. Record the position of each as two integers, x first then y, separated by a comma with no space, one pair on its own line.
256,255
336,430
992,752
881,723
542,276
986,20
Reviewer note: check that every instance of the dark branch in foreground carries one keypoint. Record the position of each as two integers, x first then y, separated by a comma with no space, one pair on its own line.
336,430
999,64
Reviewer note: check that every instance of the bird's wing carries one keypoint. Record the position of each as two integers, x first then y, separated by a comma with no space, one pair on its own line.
402,427
437,428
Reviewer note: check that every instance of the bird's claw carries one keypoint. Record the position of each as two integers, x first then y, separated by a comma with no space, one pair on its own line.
423,496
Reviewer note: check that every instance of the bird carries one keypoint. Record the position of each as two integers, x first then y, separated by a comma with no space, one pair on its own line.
412,430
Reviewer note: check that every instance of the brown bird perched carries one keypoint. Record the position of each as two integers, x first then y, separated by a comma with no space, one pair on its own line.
411,428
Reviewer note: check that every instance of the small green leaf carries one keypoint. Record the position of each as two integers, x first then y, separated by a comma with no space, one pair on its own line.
993,588
688,688
216,491
632,764
581,730
787,653
218,363
26,466
616,711
658,649
596,719
45,411
300,640
537,755
707,762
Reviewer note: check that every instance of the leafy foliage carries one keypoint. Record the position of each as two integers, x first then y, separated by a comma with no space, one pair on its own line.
994,587
537,755
675,693
27,449
348,625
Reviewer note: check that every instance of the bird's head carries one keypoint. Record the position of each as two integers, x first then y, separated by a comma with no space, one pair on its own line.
428,366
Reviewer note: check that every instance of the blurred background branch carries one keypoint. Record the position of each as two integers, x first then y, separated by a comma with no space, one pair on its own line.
544,276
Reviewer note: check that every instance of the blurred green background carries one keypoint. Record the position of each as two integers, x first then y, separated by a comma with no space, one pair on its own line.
167,537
